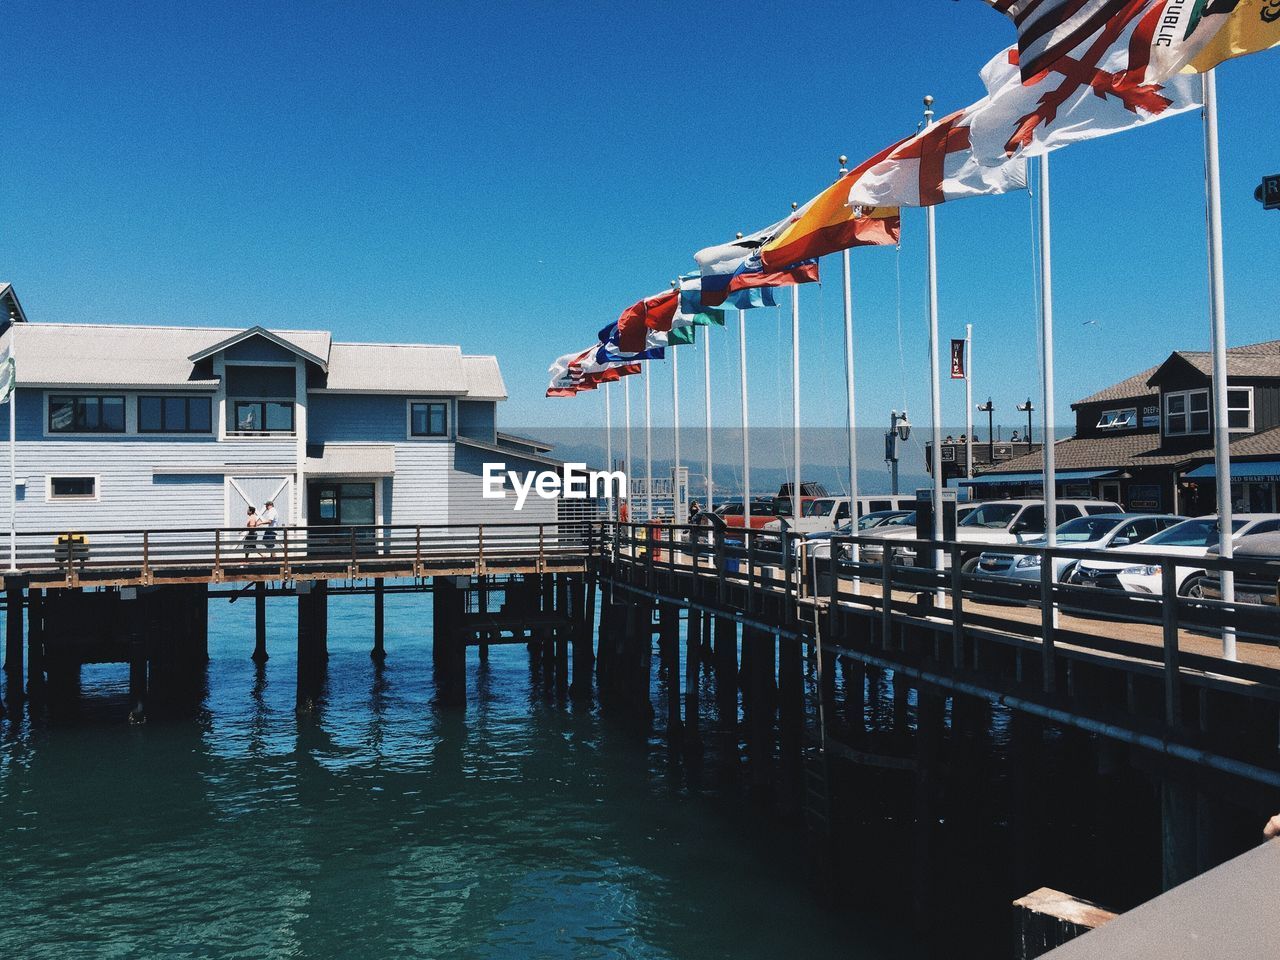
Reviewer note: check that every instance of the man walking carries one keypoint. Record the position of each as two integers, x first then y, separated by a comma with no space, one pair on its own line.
270,520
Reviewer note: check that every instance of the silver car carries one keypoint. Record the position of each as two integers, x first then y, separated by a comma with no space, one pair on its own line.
1098,531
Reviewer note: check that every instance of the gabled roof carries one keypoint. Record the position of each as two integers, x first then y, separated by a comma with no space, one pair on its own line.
311,345
1135,451
1250,360
11,307
396,368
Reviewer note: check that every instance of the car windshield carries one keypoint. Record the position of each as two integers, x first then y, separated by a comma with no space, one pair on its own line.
901,520
729,509
1085,529
993,515
816,508
869,520
1202,532
782,507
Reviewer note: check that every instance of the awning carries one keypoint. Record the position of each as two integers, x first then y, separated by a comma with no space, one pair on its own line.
351,460
1263,470
1062,476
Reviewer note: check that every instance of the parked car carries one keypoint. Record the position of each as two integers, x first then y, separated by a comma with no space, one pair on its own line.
1189,540
1261,586
732,514
1096,531
905,529
819,544
816,515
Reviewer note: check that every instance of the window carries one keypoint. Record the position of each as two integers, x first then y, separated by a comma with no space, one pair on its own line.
1240,409
263,416
1031,520
429,419
1266,526
175,414
1119,419
73,488
1186,412
86,414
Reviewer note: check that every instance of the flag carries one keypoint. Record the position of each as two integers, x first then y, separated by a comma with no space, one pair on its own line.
691,302
8,374
575,372
733,273
683,335
957,360
1224,29
936,165
828,224
651,313
610,350
1095,92
1050,29
1170,35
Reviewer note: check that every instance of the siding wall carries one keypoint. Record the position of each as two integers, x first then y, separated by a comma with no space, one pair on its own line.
134,489
466,486
478,419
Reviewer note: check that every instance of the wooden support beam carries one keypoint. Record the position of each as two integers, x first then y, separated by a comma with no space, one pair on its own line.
584,610
312,646
13,642
379,651
692,676
260,623
35,644
669,654
449,648
726,664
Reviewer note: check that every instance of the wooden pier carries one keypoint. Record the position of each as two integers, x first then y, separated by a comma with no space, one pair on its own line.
794,656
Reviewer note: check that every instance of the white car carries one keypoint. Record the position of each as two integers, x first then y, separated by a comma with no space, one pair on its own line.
998,522
1098,531
1189,540
818,545
816,516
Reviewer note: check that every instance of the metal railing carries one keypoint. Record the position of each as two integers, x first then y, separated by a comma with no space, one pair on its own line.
223,553
1153,626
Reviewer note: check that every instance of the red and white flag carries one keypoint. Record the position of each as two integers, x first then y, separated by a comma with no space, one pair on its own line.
936,165
1096,90
1175,31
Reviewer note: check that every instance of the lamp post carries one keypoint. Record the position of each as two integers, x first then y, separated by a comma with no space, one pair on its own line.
1027,408
899,430
988,409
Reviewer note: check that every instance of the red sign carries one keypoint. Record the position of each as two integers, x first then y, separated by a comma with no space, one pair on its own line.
957,360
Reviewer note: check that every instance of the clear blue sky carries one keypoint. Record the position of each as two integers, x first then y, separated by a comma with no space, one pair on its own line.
509,176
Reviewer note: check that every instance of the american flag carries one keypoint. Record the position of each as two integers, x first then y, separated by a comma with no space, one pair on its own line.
1050,29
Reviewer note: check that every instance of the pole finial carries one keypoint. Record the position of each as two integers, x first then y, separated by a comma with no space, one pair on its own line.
794,205
739,235
928,107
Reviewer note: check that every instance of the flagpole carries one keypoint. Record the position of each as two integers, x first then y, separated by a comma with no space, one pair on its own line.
13,466
795,399
1218,314
706,389
628,466
1047,439
648,450
608,441
849,389
746,420
968,401
675,423
935,387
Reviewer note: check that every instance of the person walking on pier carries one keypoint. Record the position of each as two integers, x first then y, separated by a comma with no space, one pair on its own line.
270,520
251,533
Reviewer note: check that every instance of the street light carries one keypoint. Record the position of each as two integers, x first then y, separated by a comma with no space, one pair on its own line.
988,409
899,430
1027,408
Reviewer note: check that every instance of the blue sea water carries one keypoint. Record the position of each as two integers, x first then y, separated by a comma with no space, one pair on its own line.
381,827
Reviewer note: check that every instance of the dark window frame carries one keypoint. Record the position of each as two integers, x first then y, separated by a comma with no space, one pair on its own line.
442,405
76,399
262,405
91,495
163,400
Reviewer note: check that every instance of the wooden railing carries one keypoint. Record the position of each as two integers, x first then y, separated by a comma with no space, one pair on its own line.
84,557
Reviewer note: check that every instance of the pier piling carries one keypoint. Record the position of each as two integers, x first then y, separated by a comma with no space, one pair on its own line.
260,622
13,641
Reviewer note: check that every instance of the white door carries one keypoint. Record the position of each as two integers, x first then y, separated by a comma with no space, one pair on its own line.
246,492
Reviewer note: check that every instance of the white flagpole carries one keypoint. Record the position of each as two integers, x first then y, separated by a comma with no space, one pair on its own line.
13,466
795,399
628,465
1049,456
648,449
935,387
706,388
968,401
608,441
746,420
849,389
676,512
1218,314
